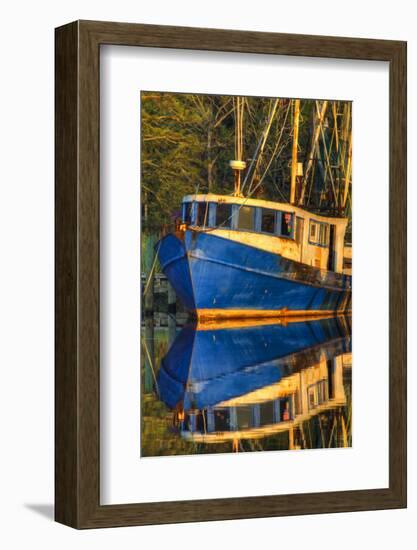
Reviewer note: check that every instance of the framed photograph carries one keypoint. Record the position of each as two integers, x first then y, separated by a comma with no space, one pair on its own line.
230,274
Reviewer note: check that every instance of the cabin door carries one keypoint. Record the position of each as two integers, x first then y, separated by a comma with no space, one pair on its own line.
331,263
299,235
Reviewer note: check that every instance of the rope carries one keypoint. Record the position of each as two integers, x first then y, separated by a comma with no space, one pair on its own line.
151,365
151,271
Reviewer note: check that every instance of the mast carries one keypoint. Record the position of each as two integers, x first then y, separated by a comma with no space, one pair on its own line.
294,163
348,174
238,164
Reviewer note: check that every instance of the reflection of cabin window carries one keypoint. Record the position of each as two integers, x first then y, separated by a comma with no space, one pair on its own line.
312,402
347,263
221,420
224,215
187,212
245,218
268,221
187,423
243,417
311,399
321,392
202,214
201,422
319,233
286,224
266,412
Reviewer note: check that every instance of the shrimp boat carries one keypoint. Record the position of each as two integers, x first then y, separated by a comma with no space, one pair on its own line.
243,257
235,256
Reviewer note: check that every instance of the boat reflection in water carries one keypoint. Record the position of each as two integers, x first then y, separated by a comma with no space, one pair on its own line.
266,386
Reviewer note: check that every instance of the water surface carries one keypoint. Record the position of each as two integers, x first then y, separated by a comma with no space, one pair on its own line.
239,387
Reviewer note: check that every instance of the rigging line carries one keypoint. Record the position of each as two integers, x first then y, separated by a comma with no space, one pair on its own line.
266,133
209,229
234,112
151,365
279,191
328,165
228,219
275,150
260,182
151,271
205,213
262,139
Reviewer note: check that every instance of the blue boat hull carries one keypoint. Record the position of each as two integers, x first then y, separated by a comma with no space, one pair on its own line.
217,276
205,367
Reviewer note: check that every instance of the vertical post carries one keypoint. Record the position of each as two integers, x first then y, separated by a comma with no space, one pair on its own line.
237,183
172,311
348,173
294,150
148,269
149,297
291,438
149,355
239,165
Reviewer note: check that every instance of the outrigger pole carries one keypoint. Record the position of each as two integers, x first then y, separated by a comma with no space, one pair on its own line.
238,164
320,117
294,163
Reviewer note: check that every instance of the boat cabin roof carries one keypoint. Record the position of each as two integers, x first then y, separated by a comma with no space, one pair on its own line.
261,203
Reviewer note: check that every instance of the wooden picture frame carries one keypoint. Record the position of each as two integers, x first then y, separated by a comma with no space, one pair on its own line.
77,405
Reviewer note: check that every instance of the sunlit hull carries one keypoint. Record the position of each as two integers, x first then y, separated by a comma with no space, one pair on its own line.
206,367
220,278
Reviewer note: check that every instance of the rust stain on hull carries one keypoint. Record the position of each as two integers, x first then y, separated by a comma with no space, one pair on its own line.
269,315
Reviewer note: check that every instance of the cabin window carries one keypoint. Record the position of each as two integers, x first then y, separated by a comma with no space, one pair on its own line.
324,234
321,392
319,233
211,216
202,214
347,263
266,411
246,218
187,212
286,224
224,215
268,221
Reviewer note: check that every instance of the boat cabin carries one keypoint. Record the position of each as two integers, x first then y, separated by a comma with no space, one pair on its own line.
281,228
